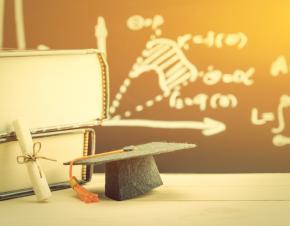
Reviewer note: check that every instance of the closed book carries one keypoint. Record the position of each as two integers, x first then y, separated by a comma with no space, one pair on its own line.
58,93
60,146
53,89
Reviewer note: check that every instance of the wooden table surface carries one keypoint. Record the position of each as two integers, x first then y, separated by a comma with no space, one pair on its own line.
184,199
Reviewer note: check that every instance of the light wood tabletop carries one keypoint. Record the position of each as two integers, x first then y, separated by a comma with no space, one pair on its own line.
184,199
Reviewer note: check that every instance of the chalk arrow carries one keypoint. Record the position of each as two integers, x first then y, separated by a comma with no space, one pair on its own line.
208,126
212,127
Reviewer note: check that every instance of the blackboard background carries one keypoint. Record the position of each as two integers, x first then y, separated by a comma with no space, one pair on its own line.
243,147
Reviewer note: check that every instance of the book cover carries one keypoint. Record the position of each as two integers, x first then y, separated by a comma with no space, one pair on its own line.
61,146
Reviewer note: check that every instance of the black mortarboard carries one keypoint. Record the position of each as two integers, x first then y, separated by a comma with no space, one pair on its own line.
132,171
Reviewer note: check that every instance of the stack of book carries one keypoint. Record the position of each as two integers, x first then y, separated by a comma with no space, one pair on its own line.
62,94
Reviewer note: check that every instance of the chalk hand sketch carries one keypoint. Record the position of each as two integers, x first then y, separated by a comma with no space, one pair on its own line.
167,59
278,140
284,103
137,22
281,140
202,100
220,40
213,76
19,25
101,34
2,14
19,22
279,66
208,126
263,119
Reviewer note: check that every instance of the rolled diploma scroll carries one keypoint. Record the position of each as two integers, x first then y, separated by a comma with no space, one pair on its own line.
38,180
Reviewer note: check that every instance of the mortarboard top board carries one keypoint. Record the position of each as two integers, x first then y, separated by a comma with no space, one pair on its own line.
132,171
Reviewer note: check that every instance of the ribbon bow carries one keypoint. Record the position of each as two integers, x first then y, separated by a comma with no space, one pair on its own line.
22,159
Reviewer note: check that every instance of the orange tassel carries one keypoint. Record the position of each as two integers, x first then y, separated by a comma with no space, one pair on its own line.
83,194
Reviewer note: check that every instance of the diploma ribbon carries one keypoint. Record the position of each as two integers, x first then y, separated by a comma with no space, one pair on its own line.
22,159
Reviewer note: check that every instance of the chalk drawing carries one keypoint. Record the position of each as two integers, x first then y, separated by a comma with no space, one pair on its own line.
166,57
202,100
218,40
2,13
279,66
284,103
101,34
263,119
138,22
19,22
208,126
279,139
223,101
214,76
19,25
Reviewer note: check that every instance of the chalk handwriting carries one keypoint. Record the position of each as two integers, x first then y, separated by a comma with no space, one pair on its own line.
279,66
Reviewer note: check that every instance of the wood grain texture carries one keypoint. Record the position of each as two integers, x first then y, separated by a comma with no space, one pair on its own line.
226,199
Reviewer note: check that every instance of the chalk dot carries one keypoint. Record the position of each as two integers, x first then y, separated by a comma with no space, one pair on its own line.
188,101
127,82
149,103
123,89
112,110
139,108
127,114
158,98
119,96
116,103
158,32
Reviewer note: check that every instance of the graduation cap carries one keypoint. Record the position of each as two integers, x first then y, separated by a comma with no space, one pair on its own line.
132,170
